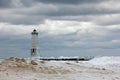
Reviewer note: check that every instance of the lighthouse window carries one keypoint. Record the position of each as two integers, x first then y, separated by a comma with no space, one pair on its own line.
33,50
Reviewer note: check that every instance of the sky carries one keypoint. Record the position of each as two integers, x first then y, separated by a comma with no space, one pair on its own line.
65,27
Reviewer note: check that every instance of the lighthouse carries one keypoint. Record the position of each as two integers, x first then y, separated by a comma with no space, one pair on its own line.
34,47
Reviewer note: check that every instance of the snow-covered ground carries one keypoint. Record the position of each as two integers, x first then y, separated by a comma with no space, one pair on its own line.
99,68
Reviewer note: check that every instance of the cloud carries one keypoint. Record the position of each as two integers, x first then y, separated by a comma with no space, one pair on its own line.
64,26
69,1
68,33
5,3
32,12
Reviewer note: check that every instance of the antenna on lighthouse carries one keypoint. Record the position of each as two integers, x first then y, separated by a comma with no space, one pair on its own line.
34,48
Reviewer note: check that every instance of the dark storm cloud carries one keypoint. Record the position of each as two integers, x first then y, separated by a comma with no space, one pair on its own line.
14,3
5,3
36,11
69,1
80,11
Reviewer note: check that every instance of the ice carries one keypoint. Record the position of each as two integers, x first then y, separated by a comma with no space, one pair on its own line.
101,61
111,63
99,68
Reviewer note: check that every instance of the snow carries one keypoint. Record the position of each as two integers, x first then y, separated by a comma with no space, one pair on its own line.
105,60
111,63
99,68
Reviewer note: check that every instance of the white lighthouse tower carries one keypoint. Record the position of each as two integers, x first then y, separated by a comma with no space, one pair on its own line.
34,48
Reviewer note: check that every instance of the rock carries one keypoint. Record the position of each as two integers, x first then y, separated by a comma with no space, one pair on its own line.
11,59
23,60
17,59
103,69
42,62
33,62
